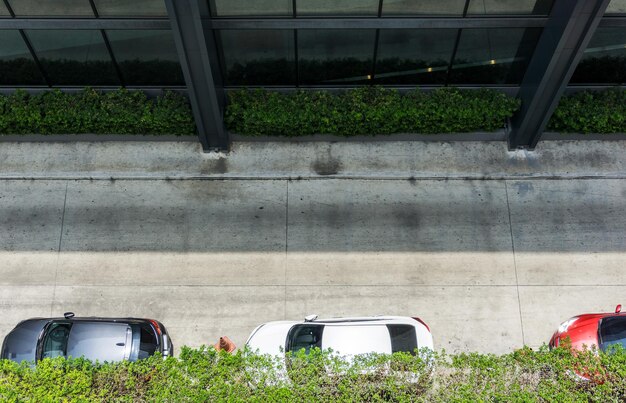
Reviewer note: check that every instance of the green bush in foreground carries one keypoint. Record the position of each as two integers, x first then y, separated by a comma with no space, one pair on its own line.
367,111
591,112
205,375
90,111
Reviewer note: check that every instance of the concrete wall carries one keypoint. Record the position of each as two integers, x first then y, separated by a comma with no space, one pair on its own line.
490,265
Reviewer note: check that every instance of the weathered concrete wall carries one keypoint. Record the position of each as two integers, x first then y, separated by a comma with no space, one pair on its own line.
386,159
488,264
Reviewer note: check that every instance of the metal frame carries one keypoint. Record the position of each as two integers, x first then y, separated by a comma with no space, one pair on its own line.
196,35
613,21
455,48
107,43
83,23
379,23
203,82
560,48
96,23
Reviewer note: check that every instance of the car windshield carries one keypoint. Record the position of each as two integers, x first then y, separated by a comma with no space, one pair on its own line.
305,337
612,332
145,342
55,341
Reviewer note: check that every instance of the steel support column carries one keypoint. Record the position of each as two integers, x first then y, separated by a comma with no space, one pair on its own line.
196,50
565,37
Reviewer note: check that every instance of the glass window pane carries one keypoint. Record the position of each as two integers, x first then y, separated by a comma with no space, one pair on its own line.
252,8
414,56
3,10
135,8
146,57
55,342
616,7
255,57
337,7
48,8
304,337
613,332
493,56
604,61
507,7
74,57
17,66
403,338
422,7
335,56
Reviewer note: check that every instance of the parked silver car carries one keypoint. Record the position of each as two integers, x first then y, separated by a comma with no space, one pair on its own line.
97,339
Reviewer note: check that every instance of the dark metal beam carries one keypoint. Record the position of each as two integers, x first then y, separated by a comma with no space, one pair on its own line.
378,23
560,47
82,23
194,50
618,22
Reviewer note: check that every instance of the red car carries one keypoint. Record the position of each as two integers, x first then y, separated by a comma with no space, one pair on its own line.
593,329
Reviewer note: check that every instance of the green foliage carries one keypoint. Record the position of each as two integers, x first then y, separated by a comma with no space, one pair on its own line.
206,375
362,111
90,111
591,112
367,111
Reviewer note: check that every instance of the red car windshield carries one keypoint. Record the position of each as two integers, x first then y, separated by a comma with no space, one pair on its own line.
612,332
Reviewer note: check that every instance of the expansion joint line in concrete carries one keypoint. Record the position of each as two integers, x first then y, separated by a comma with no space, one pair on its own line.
617,176
519,301
286,246
56,268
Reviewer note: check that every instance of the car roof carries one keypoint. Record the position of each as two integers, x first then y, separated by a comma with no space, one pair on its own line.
599,315
350,321
91,319
369,336
98,341
371,320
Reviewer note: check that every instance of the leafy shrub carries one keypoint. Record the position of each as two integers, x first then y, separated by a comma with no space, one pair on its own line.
367,111
205,375
90,111
591,112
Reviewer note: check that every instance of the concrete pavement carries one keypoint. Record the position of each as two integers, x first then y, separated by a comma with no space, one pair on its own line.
490,265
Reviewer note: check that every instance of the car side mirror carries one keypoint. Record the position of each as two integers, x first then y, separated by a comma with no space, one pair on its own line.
618,308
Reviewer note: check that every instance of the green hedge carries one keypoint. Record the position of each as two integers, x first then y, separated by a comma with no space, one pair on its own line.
367,111
591,112
90,111
361,111
205,375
